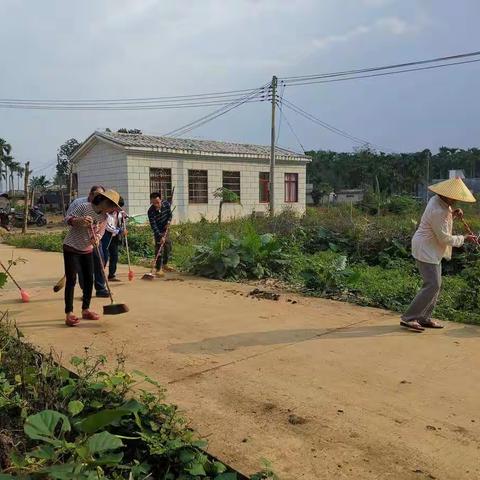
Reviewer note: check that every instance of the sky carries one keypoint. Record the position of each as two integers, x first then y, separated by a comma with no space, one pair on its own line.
56,49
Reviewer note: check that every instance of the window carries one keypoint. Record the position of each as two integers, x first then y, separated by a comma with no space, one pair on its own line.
161,181
291,187
198,186
231,180
264,187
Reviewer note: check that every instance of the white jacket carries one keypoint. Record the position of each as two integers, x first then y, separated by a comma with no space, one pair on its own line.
433,239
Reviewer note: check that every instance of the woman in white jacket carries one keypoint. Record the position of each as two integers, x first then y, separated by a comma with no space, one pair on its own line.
432,242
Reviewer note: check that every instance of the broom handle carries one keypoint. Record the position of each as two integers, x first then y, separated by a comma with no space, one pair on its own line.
470,232
160,248
10,275
104,275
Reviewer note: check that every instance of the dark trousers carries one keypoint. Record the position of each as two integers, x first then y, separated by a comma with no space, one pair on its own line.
110,252
76,263
97,273
165,255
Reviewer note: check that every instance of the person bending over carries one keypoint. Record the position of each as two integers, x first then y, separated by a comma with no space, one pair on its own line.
87,223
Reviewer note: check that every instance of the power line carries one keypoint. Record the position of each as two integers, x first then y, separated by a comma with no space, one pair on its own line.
282,113
384,67
215,114
342,79
328,126
130,100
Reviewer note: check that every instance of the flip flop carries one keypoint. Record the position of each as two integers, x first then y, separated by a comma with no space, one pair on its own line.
89,315
430,324
412,325
72,320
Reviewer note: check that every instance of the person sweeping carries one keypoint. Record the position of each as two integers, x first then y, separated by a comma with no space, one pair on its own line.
160,216
432,242
84,220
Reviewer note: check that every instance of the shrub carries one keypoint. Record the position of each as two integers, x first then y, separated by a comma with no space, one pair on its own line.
226,257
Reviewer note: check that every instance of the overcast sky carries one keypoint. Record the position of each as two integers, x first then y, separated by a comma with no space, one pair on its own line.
143,48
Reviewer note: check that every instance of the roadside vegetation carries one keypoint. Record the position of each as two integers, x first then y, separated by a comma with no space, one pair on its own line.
92,422
340,252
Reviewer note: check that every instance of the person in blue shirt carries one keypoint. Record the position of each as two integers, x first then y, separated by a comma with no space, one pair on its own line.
160,216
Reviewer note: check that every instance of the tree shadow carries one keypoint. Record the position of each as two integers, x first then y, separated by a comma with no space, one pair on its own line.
216,345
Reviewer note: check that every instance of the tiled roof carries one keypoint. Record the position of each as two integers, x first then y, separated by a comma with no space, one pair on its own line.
184,145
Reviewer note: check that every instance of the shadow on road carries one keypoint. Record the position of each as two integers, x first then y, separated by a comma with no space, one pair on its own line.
275,337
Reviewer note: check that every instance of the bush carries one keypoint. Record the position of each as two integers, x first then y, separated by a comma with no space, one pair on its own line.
401,204
226,257
95,424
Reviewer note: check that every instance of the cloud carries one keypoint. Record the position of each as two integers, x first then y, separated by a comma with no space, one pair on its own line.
389,25
377,3
324,42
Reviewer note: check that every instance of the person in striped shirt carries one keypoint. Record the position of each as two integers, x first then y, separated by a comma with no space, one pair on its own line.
99,283
87,223
160,216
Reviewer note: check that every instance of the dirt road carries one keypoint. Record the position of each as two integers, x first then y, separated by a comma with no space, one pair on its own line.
322,389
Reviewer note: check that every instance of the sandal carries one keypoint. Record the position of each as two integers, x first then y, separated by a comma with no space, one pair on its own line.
89,315
412,325
430,324
72,320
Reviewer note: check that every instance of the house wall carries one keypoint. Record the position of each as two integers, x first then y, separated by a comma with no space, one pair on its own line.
104,165
139,185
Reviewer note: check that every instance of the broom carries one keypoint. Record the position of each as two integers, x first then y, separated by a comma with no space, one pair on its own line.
23,294
113,308
470,232
151,275
131,275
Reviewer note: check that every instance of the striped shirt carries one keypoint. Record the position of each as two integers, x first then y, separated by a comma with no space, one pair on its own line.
79,238
159,219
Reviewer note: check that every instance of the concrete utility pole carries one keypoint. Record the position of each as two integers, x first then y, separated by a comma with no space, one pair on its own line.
25,207
427,179
272,149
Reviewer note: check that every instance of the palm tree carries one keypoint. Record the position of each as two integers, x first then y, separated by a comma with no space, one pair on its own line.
5,149
38,184
14,166
20,172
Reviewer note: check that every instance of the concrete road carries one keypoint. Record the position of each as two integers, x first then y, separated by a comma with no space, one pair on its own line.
322,389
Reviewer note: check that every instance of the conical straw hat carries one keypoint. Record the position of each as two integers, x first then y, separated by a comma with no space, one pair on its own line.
112,195
454,189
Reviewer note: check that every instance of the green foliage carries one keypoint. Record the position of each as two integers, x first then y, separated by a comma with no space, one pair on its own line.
95,423
226,257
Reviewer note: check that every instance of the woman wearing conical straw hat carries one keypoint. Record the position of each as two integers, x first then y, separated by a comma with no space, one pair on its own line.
432,242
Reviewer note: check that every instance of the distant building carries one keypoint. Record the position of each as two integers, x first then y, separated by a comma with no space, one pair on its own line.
136,165
472,183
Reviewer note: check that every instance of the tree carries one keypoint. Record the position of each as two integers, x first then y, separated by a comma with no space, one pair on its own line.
5,149
133,131
226,196
38,184
63,162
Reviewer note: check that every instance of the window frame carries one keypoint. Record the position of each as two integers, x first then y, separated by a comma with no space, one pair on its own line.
203,200
228,185
156,182
287,183
263,187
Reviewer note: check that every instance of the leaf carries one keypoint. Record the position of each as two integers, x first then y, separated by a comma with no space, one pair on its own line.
103,442
99,420
42,426
196,469
76,361
219,467
75,407
45,452
226,476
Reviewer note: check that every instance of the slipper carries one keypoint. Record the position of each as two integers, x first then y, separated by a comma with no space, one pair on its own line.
412,325
89,315
430,324
72,320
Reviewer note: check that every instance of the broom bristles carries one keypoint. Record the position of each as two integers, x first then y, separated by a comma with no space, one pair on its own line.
115,309
59,285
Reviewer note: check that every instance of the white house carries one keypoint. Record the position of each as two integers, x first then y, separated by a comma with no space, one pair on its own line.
137,165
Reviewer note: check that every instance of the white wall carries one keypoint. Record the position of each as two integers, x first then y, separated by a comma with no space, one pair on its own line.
103,165
139,185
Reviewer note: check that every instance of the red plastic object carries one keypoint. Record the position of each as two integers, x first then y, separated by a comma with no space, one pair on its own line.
131,275
25,296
